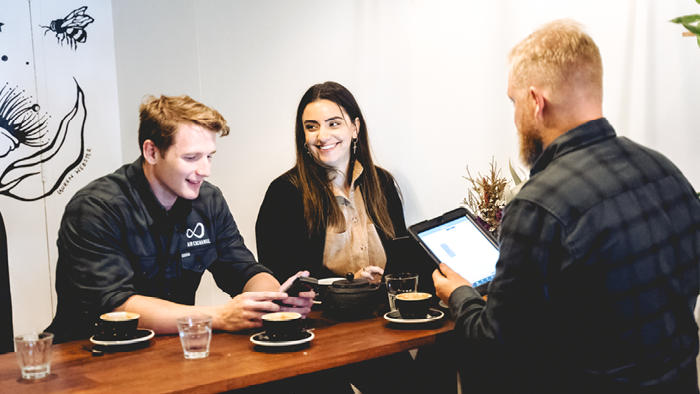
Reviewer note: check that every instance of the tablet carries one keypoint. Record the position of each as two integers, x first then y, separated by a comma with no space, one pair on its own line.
457,239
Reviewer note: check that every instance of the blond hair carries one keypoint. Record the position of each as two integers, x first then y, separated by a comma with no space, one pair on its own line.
558,56
160,118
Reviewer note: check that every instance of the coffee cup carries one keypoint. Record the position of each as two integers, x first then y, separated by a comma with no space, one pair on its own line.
118,325
413,305
282,326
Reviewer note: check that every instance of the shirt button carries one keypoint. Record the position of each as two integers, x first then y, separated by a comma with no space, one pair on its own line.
199,267
354,220
363,247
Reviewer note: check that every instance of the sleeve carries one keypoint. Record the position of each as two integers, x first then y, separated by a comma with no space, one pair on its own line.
93,275
515,314
235,264
408,255
282,236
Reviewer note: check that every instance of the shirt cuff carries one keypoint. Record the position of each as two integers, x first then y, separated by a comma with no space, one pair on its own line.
460,295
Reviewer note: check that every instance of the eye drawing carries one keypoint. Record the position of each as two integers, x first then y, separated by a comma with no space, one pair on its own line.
20,121
71,29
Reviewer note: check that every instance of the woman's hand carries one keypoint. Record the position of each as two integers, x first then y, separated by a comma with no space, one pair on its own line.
372,273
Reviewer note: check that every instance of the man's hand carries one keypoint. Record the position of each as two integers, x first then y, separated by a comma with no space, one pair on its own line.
302,303
446,282
245,310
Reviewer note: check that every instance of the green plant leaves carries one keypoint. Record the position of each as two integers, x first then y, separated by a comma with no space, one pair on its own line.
692,29
516,178
682,20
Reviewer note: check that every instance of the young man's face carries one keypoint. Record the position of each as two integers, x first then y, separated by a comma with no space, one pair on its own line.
185,164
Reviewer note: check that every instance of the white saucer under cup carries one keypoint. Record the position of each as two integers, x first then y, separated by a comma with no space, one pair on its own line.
259,340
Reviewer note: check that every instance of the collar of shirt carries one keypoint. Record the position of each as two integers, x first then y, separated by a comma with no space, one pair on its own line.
579,137
356,172
155,210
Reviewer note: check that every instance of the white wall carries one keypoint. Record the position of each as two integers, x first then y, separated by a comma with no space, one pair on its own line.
46,70
430,76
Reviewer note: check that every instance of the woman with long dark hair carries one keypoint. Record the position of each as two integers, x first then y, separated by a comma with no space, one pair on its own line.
335,212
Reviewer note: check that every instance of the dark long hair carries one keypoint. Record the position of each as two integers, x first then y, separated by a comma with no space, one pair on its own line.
313,179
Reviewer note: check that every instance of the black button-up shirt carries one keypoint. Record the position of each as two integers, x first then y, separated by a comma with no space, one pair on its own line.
597,277
116,240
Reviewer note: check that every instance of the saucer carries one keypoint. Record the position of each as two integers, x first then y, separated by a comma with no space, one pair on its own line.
262,340
433,315
142,334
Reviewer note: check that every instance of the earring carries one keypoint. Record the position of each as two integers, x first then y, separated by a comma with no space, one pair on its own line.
354,145
307,149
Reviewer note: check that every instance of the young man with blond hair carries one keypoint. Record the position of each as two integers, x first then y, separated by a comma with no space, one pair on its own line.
139,239
597,278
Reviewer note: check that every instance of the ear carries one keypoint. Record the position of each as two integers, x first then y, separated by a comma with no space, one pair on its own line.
357,128
150,152
536,97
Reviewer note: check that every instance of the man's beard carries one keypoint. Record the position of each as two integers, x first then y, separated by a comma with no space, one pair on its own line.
531,145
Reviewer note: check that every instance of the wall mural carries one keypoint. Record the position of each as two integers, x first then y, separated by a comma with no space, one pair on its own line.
30,142
21,123
71,29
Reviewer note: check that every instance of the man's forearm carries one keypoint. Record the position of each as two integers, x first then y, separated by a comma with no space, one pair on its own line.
161,315
262,282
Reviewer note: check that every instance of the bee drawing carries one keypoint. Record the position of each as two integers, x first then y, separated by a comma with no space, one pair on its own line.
71,29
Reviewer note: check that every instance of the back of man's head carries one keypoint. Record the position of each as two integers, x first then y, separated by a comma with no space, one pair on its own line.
561,58
161,116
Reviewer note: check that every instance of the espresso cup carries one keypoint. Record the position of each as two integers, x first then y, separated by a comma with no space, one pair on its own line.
118,325
413,305
282,326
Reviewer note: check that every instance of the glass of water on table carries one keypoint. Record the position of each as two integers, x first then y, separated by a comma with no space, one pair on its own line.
404,282
195,335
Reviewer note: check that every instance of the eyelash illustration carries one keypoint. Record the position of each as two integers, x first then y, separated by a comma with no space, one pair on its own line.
71,28
20,121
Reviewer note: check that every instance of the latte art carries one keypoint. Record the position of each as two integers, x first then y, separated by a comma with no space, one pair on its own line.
413,296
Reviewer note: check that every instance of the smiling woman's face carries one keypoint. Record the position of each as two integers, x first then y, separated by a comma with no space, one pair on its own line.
329,133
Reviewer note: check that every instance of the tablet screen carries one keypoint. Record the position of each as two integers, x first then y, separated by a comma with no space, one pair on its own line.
464,248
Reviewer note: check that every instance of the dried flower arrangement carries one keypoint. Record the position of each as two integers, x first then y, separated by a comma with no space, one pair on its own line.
486,197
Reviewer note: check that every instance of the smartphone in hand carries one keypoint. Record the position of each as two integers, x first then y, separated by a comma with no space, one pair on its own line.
301,284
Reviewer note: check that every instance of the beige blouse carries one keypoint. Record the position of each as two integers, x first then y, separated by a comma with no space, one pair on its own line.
356,244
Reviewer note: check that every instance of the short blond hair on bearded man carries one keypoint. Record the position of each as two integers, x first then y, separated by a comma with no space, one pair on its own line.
559,57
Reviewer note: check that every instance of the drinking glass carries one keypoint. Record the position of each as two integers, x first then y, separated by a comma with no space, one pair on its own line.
404,282
34,354
195,335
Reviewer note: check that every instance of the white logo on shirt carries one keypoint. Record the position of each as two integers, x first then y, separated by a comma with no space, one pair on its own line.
200,227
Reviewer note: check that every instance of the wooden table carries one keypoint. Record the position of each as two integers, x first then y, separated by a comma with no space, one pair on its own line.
234,362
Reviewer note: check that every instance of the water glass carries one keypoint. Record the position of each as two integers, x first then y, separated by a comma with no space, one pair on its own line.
195,335
404,282
34,354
